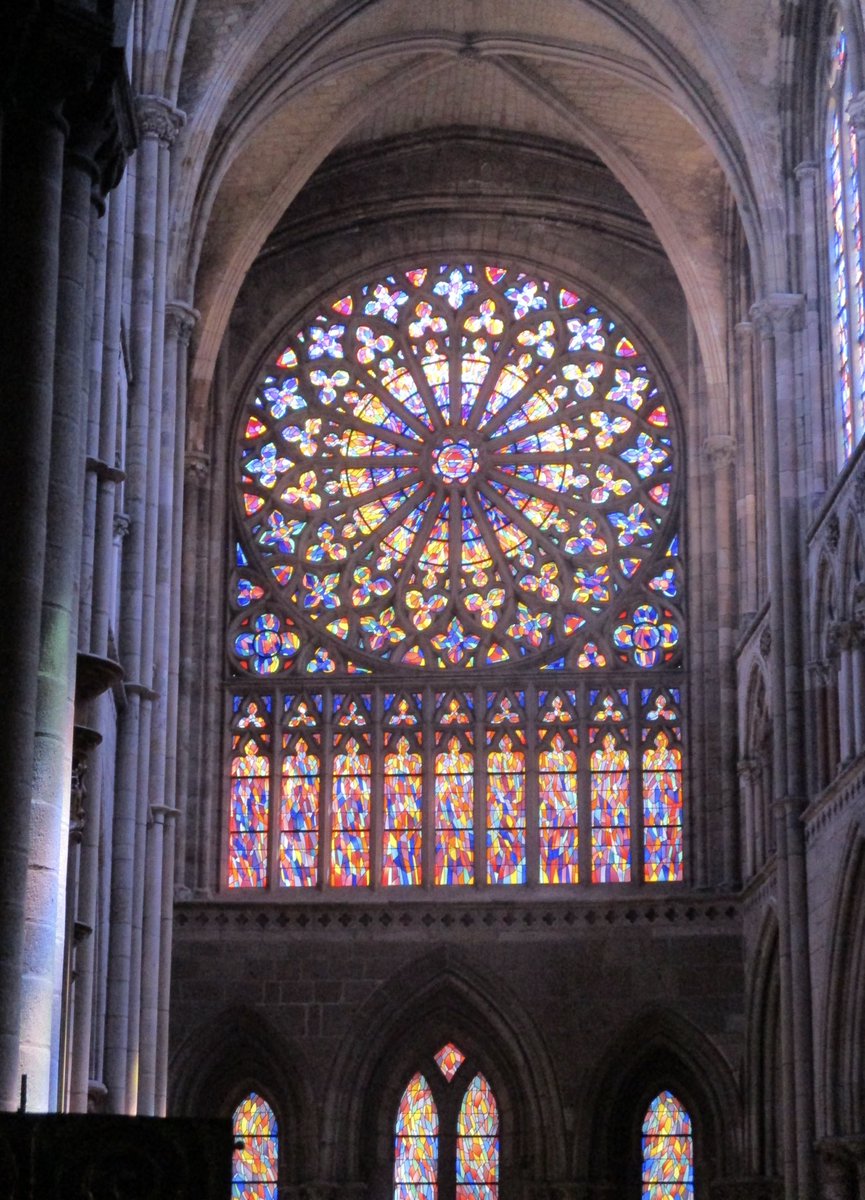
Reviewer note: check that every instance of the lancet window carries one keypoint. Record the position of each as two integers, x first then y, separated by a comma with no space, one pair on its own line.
455,638
255,1168
447,1146
668,1150
845,251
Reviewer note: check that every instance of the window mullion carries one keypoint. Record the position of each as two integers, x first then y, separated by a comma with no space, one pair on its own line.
325,816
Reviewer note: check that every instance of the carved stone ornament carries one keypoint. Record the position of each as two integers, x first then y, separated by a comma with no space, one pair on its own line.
833,532
720,449
766,641
122,525
159,118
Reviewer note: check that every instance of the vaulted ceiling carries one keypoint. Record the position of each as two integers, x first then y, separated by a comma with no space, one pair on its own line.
659,121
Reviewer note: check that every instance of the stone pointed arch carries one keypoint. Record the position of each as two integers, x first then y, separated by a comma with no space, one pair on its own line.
441,997
222,1060
851,564
658,1050
844,1019
763,1059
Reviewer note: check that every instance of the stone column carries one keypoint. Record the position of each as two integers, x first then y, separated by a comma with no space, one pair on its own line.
747,509
720,449
752,818
159,124
179,323
30,205
193,832
821,450
94,119
779,321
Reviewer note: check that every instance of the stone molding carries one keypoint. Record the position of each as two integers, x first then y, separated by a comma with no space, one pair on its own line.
806,170
158,118
720,449
378,917
781,312
765,641
848,787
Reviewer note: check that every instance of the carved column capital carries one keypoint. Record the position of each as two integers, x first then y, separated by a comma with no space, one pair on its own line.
158,118
122,525
720,449
780,312
180,320
806,172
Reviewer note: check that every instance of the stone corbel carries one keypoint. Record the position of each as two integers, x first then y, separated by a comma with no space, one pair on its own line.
720,449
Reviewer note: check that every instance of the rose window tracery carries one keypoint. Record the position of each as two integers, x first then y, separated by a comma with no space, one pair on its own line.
456,467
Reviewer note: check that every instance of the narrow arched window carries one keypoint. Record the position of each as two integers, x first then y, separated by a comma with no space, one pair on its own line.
255,1169
478,1143
446,1134
454,591
667,1150
845,251
415,1175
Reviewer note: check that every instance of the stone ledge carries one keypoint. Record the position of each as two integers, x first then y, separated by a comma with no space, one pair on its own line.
401,915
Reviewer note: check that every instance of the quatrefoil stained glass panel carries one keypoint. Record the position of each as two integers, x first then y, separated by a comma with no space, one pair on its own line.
455,467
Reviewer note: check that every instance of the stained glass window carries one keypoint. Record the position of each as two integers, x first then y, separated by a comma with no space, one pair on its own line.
449,1059
448,473
349,856
415,1173
255,1167
668,1151
469,1130
454,803
478,1143
662,786
845,252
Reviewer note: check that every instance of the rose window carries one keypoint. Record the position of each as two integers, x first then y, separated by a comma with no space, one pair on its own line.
457,467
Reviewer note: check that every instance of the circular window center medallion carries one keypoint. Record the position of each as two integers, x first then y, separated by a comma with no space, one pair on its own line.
455,461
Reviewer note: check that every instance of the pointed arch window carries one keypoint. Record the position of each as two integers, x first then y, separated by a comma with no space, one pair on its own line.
255,1168
667,1150
454,592
447,1150
845,250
